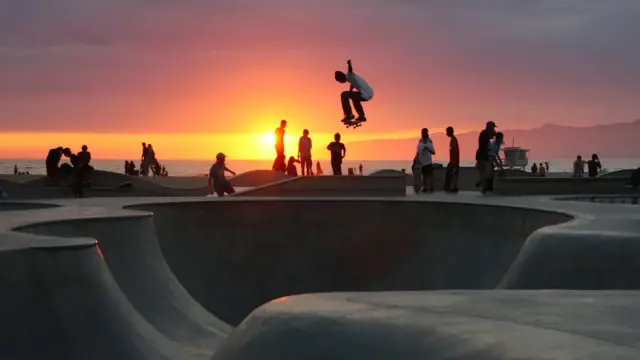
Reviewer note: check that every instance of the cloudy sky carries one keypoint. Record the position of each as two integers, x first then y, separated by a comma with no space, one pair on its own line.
237,66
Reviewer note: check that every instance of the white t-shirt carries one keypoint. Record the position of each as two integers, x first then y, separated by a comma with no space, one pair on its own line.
304,146
359,83
424,155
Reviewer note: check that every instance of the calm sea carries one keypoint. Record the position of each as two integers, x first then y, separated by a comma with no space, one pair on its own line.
201,167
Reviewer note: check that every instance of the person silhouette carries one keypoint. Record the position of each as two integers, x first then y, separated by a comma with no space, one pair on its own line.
364,93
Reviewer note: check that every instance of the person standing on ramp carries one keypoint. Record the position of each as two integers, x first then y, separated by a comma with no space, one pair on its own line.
364,93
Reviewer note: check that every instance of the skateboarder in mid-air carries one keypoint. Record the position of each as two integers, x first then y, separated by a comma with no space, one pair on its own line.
364,93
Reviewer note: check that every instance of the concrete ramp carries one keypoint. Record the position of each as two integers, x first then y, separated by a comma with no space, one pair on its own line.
60,302
341,186
439,325
133,255
260,250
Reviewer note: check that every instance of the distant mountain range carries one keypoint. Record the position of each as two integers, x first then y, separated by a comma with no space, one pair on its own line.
619,140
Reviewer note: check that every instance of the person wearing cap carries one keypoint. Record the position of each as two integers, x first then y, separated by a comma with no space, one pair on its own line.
218,183
484,162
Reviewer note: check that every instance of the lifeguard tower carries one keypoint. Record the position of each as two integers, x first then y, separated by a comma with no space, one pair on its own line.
515,157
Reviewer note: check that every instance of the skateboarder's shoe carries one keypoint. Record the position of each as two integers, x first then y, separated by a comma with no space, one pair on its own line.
348,118
361,119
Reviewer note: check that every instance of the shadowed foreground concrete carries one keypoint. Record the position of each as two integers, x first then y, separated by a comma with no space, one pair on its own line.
461,325
170,273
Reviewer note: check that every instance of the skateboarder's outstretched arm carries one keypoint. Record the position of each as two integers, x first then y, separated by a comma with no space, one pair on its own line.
229,171
350,71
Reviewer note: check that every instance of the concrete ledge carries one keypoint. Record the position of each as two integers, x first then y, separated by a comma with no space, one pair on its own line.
467,177
563,186
333,186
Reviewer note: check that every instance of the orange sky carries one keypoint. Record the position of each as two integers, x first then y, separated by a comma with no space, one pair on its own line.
257,146
197,77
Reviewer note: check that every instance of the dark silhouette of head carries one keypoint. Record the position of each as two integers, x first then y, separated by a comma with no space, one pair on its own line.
305,132
60,148
424,133
337,137
341,77
579,158
283,123
449,131
144,144
85,148
500,137
594,157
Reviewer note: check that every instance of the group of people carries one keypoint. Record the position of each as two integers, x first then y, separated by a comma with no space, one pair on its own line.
149,161
337,150
80,168
593,166
487,159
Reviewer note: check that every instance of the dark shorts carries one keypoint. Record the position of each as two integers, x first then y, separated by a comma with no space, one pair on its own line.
427,170
223,187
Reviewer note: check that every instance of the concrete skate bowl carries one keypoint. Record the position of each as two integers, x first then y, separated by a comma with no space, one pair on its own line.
232,256
132,292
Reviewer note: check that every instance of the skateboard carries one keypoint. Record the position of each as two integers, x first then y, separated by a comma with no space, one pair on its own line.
352,123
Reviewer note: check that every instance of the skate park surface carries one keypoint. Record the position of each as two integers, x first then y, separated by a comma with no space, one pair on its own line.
435,276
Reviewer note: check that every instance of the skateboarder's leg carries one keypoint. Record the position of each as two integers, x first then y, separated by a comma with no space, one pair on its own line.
357,99
346,105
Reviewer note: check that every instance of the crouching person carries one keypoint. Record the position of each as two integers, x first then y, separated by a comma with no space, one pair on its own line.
218,183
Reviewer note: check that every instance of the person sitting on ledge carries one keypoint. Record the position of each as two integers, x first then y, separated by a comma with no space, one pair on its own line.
292,169
218,183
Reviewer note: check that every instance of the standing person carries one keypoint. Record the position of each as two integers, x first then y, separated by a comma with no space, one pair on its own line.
425,154
483,162
496,161
338,152
279,162
52,164
361,169
218,183
304,153
364,93
81,170
144,160
542,171
453,168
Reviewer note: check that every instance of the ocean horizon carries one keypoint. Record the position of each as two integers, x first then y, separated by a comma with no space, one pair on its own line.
201,167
